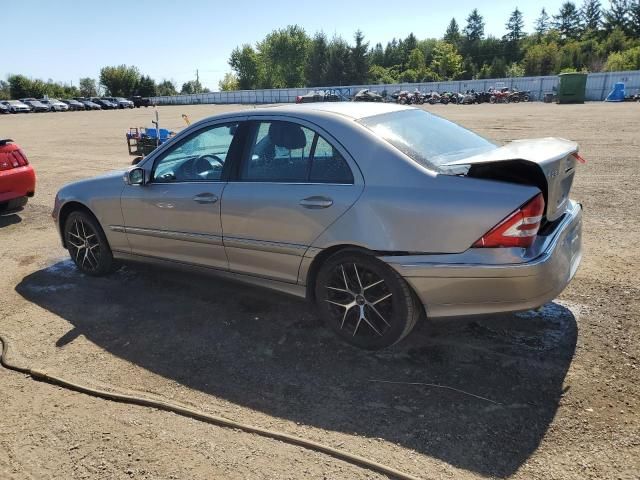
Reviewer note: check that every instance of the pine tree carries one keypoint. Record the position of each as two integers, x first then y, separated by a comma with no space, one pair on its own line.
591,15
568,20
634,13
474,30
618,16
316,68
359,64
542,23
377,55
452,35
515,27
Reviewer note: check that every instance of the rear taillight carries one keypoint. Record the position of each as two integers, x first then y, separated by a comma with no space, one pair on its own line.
519,229
11,156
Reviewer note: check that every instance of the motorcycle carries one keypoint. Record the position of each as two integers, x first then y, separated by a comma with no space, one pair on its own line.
416,98
367,95
499,96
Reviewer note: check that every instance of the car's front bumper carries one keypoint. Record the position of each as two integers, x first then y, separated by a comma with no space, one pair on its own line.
482,281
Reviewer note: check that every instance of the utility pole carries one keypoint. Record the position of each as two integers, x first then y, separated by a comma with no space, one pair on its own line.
197,81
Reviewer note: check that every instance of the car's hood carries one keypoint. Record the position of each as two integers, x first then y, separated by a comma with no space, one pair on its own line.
107,177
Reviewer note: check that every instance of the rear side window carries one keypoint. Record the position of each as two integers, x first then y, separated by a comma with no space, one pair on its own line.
328,166
287,152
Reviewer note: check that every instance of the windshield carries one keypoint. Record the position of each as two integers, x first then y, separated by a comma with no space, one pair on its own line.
427,139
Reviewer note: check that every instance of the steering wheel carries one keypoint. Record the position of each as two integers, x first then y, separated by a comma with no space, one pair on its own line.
208,158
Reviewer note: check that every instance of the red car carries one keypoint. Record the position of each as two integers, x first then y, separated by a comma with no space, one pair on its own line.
17,177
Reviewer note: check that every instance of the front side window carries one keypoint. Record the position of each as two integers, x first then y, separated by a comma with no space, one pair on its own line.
199,158
288,152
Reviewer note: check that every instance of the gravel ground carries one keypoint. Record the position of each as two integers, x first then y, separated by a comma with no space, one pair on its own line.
565,377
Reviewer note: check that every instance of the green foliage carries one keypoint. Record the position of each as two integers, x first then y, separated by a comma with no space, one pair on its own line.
359,60
515,70
452,35
166,88
447,62
316,68
20,86
337,62
191,87
119,81
543,23
229,82
146,87
541,59
567,22
617,17
627,60
379,74
88,87
5,92
246,64
283,55
591,13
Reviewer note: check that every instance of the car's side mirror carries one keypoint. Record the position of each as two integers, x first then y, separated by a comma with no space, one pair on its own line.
135,176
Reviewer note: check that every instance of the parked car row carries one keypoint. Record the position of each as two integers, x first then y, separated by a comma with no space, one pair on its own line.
29,105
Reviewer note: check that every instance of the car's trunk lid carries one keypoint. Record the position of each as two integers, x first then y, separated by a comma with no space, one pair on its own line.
547,163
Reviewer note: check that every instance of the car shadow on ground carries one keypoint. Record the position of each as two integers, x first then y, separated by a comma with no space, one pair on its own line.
269,352
9,219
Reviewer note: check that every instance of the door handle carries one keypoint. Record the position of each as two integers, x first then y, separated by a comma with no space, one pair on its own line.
316,202
205,198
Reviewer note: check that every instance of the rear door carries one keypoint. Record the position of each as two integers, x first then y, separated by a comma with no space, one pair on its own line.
293,181
176,216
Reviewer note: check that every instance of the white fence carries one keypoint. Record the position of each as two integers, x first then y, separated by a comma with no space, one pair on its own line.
598,86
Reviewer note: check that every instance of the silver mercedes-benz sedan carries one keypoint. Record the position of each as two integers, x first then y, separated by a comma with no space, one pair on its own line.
378,213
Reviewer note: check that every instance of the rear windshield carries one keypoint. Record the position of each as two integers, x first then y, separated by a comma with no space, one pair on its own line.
428,139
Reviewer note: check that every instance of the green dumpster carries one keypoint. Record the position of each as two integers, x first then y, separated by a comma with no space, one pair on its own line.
572,87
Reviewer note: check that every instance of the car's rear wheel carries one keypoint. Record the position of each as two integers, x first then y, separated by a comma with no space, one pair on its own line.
365,301
87,244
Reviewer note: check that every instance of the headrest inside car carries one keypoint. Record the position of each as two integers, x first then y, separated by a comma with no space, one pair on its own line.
287,135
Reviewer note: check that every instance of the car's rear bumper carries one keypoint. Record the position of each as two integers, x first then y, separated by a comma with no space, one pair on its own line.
482,281
16,185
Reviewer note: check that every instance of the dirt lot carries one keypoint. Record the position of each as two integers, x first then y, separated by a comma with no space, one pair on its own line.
567,377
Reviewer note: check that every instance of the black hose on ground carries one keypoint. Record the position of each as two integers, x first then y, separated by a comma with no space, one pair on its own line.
201,416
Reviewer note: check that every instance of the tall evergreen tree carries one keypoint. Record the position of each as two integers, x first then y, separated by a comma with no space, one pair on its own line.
542,23
316,68
359,60
452,35
591,12
474,30
634,14
377,55
567,22
337,62
617,16
515,33
515,27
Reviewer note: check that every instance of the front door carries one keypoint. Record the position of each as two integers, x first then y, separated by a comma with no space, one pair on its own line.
291,185
176,215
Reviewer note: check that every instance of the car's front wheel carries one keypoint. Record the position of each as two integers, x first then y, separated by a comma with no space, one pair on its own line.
365,301
87,244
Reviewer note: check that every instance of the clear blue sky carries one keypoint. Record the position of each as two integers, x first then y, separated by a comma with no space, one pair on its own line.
65,40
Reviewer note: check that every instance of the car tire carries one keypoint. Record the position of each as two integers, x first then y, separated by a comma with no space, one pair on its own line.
364,301
87,244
